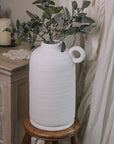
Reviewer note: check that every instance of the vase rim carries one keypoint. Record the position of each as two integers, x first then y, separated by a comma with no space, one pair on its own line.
57,43
54,46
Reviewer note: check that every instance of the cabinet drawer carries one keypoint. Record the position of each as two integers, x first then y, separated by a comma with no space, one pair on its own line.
1,126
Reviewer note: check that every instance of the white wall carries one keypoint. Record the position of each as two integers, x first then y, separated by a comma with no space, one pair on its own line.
16,9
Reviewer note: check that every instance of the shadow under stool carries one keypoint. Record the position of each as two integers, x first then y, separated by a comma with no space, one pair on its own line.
50,136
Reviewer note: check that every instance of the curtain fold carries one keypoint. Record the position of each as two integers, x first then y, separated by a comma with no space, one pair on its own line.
101,118
95,81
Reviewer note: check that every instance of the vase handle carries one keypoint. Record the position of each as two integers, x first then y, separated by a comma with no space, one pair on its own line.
81,52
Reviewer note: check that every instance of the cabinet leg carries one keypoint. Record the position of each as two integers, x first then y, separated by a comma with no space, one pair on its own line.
26,139
47,142
74,139
54,142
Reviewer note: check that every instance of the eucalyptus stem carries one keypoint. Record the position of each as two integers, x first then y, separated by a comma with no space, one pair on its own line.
56,22
50,36
53,28
42,37
74,40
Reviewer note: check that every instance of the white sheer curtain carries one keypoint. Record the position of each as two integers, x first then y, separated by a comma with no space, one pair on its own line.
96,78
100,125
88,68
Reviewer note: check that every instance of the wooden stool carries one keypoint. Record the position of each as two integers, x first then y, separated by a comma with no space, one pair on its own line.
49,136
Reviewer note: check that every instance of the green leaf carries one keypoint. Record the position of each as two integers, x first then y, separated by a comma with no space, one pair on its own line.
74,5
32,22
62,34
82,14
20,39
86,28
63,47
35,24
82,32
85,4
41,7
48,12
41,29
72,30
54,10
52,21
45,15
36,2
84,19
52,2
7,29
33,39
59,19
87,20
30,14
18,24
68,15
83,26
58,9
78,19
60,15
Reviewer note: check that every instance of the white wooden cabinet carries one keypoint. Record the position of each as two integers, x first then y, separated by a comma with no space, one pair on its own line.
14,99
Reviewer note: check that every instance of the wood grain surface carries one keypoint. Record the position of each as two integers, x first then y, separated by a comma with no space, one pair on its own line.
11,65
14,99
50,135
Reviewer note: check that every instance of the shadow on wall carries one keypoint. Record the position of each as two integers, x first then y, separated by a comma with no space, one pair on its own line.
5,13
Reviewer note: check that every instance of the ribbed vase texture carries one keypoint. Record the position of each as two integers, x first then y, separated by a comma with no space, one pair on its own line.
52,88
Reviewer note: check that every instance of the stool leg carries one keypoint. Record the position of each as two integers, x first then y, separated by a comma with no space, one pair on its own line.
47,142
54,142
74,139
26,139
36,141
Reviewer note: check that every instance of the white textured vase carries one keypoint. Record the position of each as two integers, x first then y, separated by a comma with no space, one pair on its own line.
52,86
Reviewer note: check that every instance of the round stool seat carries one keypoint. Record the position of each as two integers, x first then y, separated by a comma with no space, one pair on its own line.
31,131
